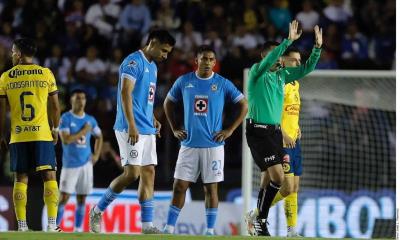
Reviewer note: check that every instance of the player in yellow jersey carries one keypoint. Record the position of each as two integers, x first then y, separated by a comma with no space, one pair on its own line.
34,128
292,162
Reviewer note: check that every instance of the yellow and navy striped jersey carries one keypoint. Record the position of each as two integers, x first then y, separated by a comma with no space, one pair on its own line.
27,87
291,109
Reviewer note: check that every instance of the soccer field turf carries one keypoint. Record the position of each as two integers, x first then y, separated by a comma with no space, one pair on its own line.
89,236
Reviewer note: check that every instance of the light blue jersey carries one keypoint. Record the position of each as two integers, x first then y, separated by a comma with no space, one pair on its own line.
143,74
78,153
203,101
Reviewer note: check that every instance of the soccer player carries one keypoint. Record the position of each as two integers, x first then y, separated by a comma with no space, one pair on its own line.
264,137
292,162
135,128
76,129
28,88
203,94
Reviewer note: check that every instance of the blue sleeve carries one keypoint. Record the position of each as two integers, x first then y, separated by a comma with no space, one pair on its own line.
175,93
64,123
232,93
131,69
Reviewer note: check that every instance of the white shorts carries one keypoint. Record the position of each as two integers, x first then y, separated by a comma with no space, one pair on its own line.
143,153
207,161
77,180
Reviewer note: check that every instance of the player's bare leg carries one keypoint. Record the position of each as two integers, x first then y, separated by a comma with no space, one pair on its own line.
211,202
146,191
50,196
178,200
20,198
129,175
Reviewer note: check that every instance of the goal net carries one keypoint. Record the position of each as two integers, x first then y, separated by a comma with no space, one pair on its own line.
347,188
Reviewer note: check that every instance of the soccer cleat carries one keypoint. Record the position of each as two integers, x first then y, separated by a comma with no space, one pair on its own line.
94,221
249,219
293,234
260,226
151,230
54,229
209,233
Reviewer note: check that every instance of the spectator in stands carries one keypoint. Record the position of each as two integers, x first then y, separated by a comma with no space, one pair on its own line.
308,17
135,21
280,15
59,64
90,68
332,40
6,37
76,14
103,16
243,38
251,16
165,16
188,39
213,40
337,13
354,45
327,61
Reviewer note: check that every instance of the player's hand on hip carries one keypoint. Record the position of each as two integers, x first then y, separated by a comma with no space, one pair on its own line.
222,135
318,36
133,137
180,134
157,125
87,127
294,31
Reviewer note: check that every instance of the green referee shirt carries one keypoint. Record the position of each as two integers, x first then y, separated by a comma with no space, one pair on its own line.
266,89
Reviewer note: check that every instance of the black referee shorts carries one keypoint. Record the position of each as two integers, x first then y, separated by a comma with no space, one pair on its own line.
265,143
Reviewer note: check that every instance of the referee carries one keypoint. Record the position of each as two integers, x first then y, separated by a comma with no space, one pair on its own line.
264,137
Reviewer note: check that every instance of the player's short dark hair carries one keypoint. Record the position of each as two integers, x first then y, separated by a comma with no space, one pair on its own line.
204,48
26,46
76,91
163,36
290,50
268,44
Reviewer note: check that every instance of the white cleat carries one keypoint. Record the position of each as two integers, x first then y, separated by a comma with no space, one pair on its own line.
151,230
94,221
249,219
54,229
293,234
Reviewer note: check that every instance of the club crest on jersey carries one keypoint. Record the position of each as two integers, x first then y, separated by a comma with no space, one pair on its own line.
152,93
132,63
214,87
200,105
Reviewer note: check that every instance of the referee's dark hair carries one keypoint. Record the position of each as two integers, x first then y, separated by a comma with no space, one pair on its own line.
163,36
290,50
205,48
268,44
26,46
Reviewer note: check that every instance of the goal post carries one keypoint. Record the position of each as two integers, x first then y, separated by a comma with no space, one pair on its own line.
348,128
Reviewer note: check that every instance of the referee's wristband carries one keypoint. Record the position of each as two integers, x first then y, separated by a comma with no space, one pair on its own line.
56,129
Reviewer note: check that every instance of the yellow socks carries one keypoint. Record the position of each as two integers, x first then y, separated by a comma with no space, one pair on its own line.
291,210
277,198
20,199
50,197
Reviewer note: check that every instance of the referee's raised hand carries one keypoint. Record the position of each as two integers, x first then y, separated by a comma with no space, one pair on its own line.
318,36
294,31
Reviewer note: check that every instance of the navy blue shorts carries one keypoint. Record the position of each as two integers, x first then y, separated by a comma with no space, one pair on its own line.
32,156
296,161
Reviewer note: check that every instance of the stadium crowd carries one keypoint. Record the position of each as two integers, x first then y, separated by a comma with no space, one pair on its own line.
84,41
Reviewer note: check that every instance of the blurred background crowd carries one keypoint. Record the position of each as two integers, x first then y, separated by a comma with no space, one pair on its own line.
84,41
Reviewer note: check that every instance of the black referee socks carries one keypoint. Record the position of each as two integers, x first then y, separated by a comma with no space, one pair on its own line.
265,197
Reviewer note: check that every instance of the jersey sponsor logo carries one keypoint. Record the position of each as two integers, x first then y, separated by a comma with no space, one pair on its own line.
16,72
214,87
200,105
73,124
152,92
20,129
